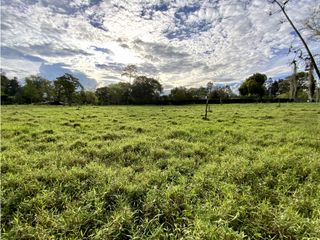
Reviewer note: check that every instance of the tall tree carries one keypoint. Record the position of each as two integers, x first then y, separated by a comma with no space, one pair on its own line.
130,71
254,86
86,97
221,93
13,86
9,89
180,94
284,86
65,88
37,89
282,6
301,91
268,85
273,89
145,89
102,95
4,84
198,93
293,94
119,93
311,84
209,88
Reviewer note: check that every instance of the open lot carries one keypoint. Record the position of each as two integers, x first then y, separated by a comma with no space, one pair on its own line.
251,171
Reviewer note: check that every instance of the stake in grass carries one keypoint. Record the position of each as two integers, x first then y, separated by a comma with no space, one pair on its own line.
209,88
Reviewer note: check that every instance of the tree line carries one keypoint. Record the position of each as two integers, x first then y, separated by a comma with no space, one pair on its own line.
67,90
296,87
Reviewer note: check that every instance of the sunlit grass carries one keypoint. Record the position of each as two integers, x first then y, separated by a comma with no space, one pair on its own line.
153,172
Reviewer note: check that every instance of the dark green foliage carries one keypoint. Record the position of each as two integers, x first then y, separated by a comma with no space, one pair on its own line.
221,93
9,89
119,93
281,88
198,93
65,88
254,86
145,90
180,94
102,95
86,98
36,90
274,89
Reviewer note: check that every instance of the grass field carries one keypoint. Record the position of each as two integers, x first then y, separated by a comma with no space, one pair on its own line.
251,171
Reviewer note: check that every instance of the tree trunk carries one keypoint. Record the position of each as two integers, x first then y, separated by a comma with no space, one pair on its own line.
294,84
291,88
311,85
282,7
206,112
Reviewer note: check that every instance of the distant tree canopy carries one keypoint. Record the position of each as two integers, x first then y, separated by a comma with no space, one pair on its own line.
305,86
102,94
221,93
145,89
198,93
254,86
37,89
119,93
86,97
181,94
130,71
67,89
9,89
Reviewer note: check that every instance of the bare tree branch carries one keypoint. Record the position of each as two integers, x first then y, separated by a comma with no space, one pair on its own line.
282,7
313,23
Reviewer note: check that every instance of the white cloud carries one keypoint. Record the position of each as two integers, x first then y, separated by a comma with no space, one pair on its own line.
19,68
183,43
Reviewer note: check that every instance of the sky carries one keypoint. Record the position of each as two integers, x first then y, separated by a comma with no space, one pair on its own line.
180,43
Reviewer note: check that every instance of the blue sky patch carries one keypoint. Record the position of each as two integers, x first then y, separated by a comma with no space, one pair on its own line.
148,12
15,54
96,20
187,31
104,50
184,29
52,71
161,7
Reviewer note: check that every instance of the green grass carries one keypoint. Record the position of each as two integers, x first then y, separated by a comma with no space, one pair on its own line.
251,171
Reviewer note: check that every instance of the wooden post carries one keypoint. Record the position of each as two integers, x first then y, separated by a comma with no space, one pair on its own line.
206,113
209,87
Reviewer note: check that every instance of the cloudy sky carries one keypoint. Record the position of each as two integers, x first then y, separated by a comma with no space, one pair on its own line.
184,42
